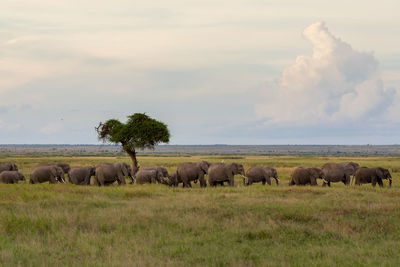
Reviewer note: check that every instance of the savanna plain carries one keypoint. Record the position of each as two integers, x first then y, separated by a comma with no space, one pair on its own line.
155,225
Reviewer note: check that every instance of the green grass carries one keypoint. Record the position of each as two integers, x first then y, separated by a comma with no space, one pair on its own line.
151,225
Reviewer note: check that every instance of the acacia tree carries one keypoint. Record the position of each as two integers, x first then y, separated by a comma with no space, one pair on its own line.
139,132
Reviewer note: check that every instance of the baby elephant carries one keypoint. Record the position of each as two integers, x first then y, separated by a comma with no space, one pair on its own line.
262,174
148,176
81,175
11,177
304,176
372,176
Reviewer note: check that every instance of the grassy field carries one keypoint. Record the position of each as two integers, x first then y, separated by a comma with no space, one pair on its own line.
149,225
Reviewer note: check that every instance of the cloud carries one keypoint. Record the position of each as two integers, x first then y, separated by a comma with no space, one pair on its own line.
336,84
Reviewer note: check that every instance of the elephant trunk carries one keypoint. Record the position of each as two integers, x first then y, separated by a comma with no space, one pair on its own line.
277,180
390,181
244,179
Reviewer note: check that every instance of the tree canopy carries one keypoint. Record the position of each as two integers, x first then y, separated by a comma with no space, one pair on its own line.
139,132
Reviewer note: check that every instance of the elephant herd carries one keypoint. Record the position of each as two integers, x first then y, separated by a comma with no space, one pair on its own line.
340,172
218,173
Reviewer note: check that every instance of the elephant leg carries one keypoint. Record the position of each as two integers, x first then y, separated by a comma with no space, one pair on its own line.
231,181
324,183
291,182
263,181
268,179
314,181
87,180
203,182
347,180
380,182
373,181
249,182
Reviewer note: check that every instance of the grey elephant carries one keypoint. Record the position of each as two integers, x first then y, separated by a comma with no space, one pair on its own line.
372,176
335,172
174,179
262,174
11,177
81,175
8,166
64,166
160,169
349,167
150,176
192,171
43,174
305,176
224,172
108,173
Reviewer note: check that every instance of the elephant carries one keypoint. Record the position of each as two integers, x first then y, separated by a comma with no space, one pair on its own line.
43,174
11,177
349,167
304,176
160,169
262,174
336,172
175,180
372,175
224,172
108,173
81,175
150,176
123,165
8,167
64,166
191,171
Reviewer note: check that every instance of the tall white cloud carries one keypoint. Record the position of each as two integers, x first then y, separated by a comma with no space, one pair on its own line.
335,84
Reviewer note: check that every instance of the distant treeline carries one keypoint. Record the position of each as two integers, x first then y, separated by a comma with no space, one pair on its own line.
389,150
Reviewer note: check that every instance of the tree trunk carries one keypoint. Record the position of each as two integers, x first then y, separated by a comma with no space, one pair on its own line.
132,155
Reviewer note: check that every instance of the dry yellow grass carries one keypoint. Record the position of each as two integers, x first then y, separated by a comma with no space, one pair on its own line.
149,225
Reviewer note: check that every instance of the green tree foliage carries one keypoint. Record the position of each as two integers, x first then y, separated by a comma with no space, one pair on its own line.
139,132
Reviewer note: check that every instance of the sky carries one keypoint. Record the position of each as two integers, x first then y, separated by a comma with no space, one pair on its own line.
216,72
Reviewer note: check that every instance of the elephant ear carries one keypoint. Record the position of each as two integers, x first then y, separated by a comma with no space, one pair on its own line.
124,169
53,171
379,173
93,170
204,166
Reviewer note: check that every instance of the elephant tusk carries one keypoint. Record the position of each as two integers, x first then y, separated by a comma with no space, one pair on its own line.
325,181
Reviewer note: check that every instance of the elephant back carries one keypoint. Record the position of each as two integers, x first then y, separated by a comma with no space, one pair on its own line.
8,166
